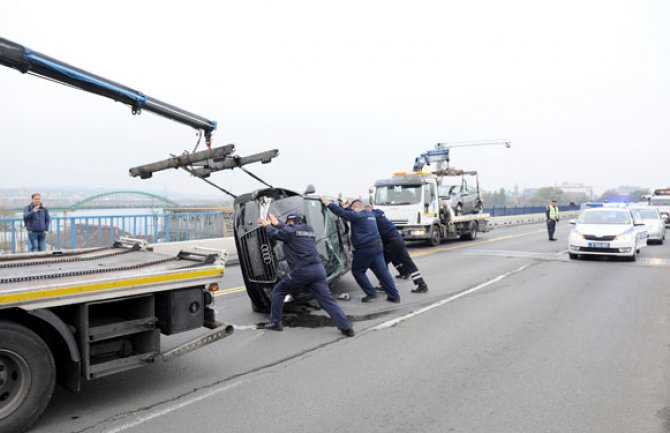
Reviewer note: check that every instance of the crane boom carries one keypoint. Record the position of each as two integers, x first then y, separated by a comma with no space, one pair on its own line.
440,155
25,60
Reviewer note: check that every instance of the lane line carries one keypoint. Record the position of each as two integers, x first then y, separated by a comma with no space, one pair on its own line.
433,250
230,291
494,280
472,244
172,408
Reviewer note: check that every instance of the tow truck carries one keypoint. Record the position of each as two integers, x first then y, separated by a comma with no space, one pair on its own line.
661,200
72,316
419,202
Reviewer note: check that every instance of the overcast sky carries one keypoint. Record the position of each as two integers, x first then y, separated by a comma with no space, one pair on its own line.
348,91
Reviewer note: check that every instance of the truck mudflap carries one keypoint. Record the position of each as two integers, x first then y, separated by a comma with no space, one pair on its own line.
219,331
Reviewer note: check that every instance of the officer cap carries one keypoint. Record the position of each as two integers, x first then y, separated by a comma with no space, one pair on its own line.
295,217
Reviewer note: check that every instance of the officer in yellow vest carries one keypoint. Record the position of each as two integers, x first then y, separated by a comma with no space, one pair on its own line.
552,219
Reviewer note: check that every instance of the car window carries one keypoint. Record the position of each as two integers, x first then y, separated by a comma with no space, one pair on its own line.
604,217
645,214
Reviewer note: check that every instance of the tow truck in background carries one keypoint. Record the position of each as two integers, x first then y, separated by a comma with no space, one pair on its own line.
661,201
73,316
434,205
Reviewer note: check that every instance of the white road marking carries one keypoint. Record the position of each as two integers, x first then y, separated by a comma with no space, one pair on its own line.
172,408
494,280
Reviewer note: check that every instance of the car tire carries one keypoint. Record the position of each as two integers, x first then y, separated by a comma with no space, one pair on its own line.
573,256
471,234
435,238
27,377
459,209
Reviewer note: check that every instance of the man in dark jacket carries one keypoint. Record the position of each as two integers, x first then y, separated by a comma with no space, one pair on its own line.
395,250
306,271
36,219
368,250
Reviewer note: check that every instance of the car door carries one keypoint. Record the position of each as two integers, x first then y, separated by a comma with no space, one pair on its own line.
640,229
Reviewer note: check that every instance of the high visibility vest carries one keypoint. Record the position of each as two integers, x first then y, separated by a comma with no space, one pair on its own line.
553,212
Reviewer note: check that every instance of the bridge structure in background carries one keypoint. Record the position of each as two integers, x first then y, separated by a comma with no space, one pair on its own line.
125,200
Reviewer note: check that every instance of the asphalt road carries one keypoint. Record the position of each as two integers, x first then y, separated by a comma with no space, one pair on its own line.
512,337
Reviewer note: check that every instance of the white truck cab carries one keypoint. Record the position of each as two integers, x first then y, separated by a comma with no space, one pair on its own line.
413,203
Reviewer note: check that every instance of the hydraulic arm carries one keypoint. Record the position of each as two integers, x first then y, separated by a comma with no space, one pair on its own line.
25,60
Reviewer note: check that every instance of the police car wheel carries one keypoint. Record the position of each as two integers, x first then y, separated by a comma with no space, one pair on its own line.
27,377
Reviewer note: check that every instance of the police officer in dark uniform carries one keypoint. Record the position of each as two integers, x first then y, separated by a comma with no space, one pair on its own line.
368,250
306,271
395,250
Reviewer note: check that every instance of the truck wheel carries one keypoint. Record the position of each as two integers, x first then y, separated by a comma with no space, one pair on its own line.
435,238
471,234
27,377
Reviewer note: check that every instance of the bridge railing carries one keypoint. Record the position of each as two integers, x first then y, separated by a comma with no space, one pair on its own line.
99,231
497,211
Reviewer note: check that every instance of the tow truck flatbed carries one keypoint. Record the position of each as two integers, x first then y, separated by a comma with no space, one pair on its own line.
46,280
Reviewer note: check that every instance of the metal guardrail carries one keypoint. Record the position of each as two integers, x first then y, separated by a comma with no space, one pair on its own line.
99,231
497,211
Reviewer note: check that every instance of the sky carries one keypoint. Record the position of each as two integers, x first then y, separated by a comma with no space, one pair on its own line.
347,91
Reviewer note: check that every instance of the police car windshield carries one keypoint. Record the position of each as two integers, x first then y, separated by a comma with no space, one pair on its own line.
604,217
397,194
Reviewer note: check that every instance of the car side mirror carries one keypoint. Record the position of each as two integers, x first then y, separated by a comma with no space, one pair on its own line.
309,190
573,221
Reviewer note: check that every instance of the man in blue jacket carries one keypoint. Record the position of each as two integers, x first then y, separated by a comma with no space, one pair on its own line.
368,250
395,251
306,271
36,219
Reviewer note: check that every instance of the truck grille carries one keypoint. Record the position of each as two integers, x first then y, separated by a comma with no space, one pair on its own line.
257,257
596,238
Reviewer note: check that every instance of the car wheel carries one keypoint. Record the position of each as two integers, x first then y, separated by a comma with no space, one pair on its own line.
435,238
27,377
479,208
459,210
573,256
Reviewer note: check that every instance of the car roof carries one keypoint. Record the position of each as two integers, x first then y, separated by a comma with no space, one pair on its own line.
606,209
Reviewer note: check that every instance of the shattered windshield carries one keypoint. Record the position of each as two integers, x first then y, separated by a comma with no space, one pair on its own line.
398,194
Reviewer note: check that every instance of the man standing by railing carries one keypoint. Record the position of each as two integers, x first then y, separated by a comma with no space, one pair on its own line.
36,218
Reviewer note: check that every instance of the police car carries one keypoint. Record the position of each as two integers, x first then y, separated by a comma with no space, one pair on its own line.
607,231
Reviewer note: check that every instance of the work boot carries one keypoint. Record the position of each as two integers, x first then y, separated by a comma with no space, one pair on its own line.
368,298
394,300
421,288
274,326
348,332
